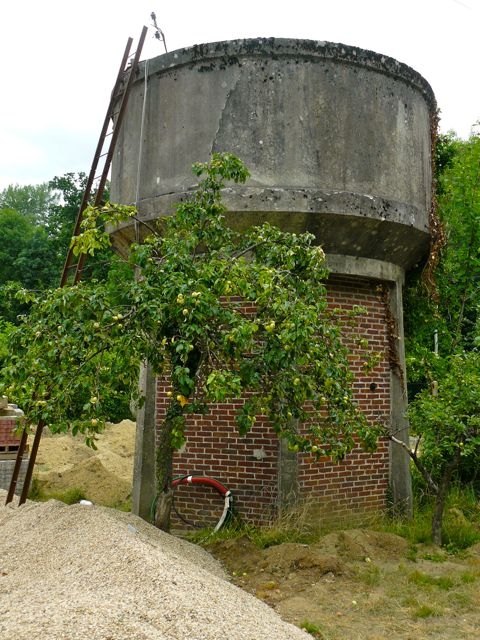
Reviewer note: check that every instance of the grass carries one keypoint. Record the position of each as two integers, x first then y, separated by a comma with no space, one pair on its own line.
423,580
425,611
461,527
461,522
416,593
70,496
370,575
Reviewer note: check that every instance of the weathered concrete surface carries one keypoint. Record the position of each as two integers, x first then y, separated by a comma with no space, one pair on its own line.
337,140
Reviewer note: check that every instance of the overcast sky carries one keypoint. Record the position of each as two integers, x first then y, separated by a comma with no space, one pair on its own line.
60,59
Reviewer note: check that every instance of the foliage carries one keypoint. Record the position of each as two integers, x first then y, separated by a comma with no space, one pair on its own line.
61,223
26,258
197,278
5,329
447,422
453,312
223,315
36,226
460,266
63,353
15,234
33,202
447,425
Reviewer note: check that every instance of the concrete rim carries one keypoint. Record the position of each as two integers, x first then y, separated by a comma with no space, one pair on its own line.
231,52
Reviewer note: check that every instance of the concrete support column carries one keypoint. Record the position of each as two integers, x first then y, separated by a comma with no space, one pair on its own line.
393,276
144,470
400,476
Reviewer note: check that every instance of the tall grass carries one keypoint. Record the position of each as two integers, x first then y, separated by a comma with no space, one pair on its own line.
461,524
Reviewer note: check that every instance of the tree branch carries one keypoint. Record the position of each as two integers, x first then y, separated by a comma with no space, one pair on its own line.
418,463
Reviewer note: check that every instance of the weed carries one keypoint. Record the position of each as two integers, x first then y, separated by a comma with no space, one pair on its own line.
370,575
434,557
425,611
312,629
468,577
122,505
70,496
409,601
461,601
37,492
459,537
412,552
461,525
423,580
444,582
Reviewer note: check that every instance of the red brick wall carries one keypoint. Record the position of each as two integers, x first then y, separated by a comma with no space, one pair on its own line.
249,466
360,482
7,426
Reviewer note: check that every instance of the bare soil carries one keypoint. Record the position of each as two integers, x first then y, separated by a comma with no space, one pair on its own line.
361,585
354,584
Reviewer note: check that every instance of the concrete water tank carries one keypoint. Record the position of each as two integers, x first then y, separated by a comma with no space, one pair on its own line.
338,141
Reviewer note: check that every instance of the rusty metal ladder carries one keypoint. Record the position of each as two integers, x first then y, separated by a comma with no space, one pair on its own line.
72,270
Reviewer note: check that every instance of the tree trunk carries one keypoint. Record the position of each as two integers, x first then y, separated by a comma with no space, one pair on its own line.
441,495
163,510
438,513
164,475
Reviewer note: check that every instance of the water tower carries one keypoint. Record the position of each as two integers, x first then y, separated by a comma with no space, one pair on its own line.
338,141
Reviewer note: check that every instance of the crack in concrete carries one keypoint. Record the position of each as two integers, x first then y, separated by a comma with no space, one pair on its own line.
229,93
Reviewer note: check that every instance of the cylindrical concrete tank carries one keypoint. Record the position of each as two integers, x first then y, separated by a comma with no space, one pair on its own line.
337,139
338,142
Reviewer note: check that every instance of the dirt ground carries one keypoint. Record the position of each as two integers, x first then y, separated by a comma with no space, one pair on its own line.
354,584
362,585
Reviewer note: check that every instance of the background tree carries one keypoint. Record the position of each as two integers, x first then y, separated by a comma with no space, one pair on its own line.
33,202
25,260
445,423
36,226
34,239
222,315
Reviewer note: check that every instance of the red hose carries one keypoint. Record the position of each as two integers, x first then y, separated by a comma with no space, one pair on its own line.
211,482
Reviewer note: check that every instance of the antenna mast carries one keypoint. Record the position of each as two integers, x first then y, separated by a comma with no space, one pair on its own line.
159,35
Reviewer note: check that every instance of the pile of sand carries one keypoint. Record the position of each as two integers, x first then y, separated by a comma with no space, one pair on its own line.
91,572
104,475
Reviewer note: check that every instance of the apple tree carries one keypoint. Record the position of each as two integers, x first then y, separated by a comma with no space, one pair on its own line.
221,314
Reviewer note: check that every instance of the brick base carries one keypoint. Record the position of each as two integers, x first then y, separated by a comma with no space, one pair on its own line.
250,466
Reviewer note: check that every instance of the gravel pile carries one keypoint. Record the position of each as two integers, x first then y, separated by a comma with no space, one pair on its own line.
87,572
